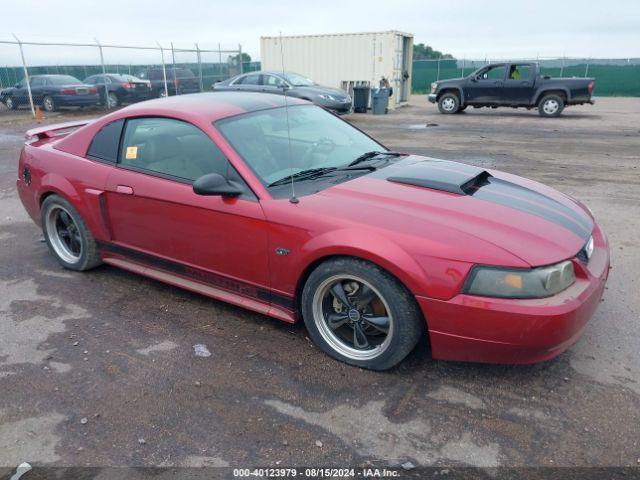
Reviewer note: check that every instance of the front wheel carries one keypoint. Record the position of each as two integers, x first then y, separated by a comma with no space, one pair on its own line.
449,103
67,235
551,106
9,103
360,314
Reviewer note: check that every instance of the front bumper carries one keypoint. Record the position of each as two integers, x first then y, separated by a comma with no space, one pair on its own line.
432,98
338,107
495,330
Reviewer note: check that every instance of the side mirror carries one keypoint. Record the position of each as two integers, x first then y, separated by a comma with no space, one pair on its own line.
216,184
474,79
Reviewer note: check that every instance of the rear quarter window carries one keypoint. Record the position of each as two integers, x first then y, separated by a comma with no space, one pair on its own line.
106,142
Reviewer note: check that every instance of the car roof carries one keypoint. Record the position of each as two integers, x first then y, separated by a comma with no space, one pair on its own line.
210,105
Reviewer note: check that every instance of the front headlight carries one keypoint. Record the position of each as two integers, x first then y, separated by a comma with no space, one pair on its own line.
519,283
434,86
326,96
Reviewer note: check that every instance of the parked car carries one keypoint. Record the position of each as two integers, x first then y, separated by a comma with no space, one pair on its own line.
375,250
179,81
511,84
292,84
120,88
50,92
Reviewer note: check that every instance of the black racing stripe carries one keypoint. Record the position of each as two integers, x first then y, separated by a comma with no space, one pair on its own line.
202,276
526,200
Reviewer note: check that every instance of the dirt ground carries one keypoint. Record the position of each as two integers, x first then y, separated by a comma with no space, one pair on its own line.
98,369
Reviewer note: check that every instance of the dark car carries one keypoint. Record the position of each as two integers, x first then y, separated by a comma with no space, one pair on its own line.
179,81
293,84
51,91
511,84
120,88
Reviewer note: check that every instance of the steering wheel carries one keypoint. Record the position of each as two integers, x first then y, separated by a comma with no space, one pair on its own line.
322,145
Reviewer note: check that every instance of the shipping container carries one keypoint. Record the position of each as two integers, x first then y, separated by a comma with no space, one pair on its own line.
345,60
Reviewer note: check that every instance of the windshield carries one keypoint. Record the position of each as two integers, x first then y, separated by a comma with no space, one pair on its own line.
298,80
318,140
63,80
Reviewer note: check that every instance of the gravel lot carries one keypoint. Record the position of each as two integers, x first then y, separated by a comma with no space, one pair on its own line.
117,350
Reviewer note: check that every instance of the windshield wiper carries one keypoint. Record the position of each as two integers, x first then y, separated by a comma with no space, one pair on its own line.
370,155
303,175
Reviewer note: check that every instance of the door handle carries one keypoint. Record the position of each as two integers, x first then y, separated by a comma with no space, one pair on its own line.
124,189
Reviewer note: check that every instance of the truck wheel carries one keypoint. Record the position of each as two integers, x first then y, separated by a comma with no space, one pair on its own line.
551,106
448,103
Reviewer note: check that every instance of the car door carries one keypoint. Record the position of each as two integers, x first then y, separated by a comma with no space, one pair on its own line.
487,86
249,83
37,89
153,211
272,84
518,86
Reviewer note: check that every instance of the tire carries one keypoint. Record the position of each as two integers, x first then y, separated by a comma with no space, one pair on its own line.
461,109
449,103
58,216
112,100
48,104
9,103
385,303
550,106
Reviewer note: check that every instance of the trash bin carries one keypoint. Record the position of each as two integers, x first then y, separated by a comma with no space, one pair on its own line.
360,99
379,100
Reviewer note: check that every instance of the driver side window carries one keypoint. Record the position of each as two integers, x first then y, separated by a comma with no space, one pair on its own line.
493,73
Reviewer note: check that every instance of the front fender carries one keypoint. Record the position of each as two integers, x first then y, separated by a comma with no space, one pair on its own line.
369,246
458,88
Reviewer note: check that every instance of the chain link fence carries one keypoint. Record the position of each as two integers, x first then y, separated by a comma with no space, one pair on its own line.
613,77
202,65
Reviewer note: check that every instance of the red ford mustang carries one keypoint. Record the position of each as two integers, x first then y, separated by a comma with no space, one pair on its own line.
294,213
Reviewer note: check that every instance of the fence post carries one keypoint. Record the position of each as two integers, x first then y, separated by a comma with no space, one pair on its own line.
438,74
240,55
26,75
586,70
464,59
562,66
164,71
199,67
104,76
173,62
220,61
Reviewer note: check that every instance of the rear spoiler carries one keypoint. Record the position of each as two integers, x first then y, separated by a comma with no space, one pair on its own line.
50,131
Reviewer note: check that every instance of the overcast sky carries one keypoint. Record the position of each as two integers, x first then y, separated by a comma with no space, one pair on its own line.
465,28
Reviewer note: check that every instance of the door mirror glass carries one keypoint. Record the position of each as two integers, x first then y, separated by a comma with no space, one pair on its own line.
216,184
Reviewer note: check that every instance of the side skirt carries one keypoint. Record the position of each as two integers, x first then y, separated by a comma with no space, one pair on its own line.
202,282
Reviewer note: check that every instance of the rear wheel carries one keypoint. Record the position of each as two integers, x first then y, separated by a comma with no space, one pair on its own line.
48,104
113,100
449,103
162,93
359,314
10,104
551,106
67,235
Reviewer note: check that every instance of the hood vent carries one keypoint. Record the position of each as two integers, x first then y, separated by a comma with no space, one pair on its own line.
446,176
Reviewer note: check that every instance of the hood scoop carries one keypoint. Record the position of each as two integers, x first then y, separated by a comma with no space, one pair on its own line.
442,175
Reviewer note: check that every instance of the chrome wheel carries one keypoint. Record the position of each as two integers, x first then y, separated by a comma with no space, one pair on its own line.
48,104
162,93
550,106
63,234
113,100
448,104
9,103
352,317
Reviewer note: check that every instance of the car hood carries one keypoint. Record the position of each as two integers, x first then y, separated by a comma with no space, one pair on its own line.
320,90
471,213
